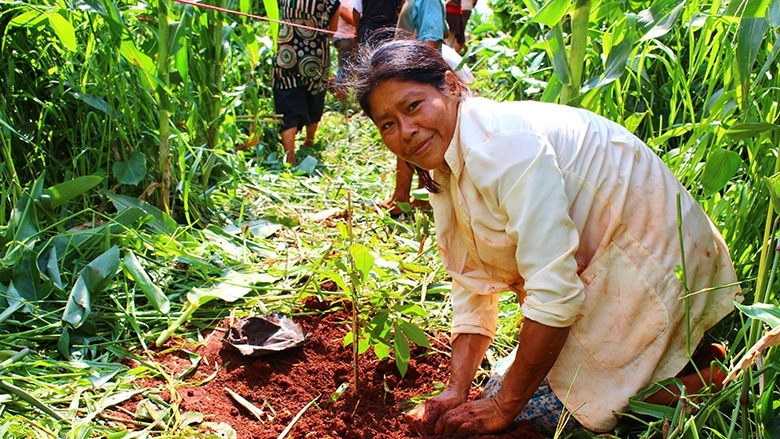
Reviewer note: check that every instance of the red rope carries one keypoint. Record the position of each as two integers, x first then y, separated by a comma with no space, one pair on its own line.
257,17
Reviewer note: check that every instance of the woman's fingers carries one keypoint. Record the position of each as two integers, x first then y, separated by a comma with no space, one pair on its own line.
482,416
424,417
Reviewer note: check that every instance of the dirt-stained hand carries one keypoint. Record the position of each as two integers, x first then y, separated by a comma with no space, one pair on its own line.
423,418
483,416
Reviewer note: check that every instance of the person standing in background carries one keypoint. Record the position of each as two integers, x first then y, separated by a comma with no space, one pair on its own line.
302,67
375,20
456,38
465,9
345,42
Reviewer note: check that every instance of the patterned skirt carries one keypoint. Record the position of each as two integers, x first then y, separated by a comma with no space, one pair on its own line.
543,410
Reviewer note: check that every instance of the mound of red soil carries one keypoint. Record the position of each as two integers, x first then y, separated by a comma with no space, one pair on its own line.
282,384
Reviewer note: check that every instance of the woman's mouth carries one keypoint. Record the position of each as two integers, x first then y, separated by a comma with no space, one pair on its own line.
421,147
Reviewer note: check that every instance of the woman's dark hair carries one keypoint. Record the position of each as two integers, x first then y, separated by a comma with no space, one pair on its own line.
403,60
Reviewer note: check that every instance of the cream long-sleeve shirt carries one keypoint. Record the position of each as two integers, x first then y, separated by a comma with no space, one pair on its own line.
579,217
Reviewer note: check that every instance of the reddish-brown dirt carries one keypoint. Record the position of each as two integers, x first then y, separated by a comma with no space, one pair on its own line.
282,384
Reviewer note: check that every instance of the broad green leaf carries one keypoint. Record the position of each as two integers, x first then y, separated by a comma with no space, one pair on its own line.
52,268
93,101
91,281
28,285
349,338
773,15
141,60
659,18
615,65
63,342
131,171
381,350
90,6
60,194
30,18
64,31
413,333
770,61
402,352
750,38
272,10
23,224
233,286
552,12
307,166
773,184
761,311
162,223
747,8
411,309
363,344
343,230
556,50
747,130
363,260
338,279
720,167
153,293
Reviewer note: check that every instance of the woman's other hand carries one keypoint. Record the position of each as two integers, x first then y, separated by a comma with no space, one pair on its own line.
425,417
483,416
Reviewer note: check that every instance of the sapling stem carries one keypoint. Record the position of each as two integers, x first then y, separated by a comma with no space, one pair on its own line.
354,298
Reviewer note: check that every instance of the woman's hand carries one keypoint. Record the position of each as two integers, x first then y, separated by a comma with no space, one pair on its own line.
424,418
483,416
467,352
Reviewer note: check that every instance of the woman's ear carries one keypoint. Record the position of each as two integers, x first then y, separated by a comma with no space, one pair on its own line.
452,84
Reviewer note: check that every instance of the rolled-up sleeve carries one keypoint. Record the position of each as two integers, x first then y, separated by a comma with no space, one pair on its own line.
473,313
519,176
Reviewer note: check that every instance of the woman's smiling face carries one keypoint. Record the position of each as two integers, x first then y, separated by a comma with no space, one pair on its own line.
416,121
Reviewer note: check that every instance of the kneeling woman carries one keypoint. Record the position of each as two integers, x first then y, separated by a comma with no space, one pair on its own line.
574,214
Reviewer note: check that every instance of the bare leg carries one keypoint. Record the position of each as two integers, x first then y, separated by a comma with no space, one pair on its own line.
311,130
288,142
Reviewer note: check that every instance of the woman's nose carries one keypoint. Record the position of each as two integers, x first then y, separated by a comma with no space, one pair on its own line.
408,129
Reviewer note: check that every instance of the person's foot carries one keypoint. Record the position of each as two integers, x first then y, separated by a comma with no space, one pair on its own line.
309,142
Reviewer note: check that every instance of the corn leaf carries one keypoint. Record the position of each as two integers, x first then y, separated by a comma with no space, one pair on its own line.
133,269
552,12
64,31
60,194
91,281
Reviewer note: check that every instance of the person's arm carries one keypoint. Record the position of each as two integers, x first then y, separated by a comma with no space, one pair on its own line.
356,19
468,350
538,349
347,14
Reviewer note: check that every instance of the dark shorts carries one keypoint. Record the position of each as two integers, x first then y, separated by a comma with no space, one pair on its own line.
455,22
298,107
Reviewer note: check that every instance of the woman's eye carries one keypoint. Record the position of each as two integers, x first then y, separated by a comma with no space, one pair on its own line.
386,126
414,105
